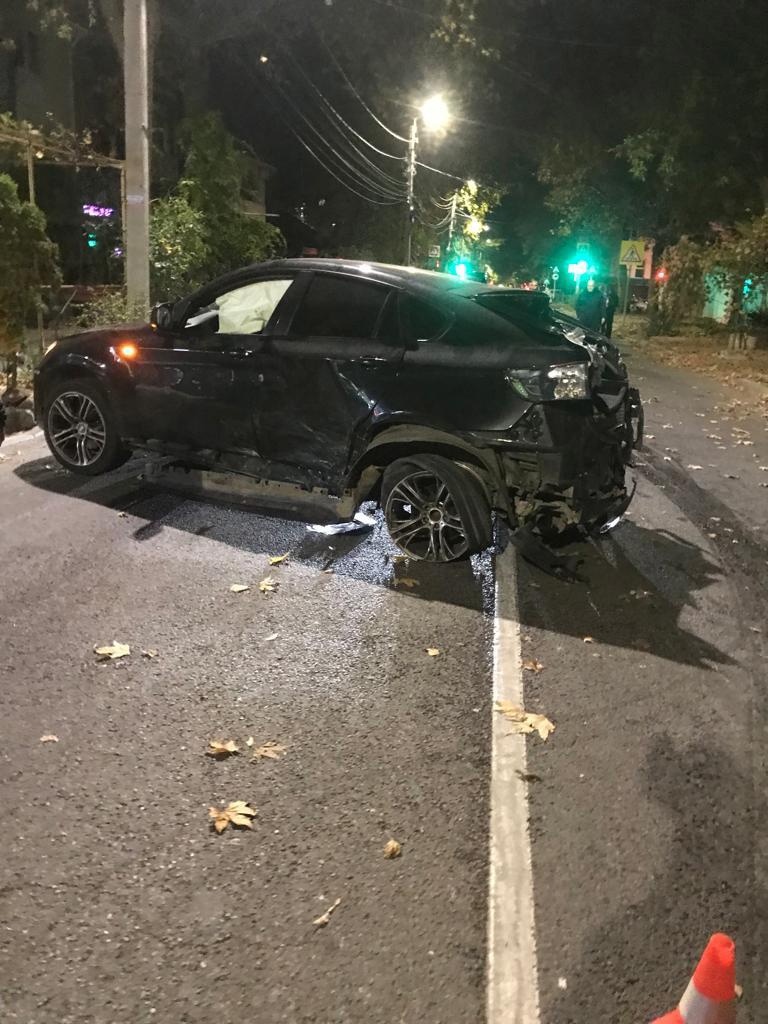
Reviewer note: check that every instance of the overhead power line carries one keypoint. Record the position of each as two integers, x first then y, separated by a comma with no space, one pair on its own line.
354,91
383,189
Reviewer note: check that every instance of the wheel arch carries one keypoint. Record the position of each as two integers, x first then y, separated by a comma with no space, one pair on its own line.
400,440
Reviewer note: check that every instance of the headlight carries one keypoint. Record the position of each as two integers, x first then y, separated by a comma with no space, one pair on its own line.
570,380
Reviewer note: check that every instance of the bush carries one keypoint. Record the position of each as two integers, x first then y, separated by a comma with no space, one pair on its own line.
108,309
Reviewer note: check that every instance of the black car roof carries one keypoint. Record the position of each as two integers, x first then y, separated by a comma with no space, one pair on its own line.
413,277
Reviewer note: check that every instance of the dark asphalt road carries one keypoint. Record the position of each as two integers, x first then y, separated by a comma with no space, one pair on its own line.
120,905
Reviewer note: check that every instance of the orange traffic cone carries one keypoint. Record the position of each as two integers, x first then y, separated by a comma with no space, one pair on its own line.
711,994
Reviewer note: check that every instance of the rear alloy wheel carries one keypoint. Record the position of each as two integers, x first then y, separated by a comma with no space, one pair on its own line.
80,429
435,509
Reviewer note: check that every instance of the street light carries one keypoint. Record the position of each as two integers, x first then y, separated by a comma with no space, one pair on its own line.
435,116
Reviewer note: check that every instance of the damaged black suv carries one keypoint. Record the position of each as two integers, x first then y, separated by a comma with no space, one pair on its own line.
344,381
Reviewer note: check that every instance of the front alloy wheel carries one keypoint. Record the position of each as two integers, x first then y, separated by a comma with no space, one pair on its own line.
77,429
81,428
436,510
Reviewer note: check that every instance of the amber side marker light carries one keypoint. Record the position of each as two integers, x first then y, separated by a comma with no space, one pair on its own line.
127,350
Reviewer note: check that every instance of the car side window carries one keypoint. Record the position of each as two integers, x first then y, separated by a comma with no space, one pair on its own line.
241,311
423,320
339,307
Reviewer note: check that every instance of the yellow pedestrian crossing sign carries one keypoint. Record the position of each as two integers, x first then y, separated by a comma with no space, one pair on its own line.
632,251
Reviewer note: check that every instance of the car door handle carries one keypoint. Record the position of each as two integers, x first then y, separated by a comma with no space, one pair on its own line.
242,353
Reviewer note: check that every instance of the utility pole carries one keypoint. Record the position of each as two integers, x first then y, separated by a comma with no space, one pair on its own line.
136,223
411,175
452,225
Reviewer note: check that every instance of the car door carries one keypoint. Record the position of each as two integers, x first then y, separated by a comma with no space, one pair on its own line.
325,372
198,385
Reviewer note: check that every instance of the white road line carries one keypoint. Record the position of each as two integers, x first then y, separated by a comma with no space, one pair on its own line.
512,996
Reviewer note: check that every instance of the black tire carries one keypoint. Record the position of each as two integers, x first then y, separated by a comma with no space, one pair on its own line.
99,448
454,517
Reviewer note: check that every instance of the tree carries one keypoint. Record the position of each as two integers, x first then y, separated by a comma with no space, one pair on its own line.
212,185
177,247
28,261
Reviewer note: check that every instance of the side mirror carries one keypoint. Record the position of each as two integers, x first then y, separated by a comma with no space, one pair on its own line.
161,317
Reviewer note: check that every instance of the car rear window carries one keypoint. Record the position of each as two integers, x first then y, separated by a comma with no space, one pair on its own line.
423,321
516,307
339,307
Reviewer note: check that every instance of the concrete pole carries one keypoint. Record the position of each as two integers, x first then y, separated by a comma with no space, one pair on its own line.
136,73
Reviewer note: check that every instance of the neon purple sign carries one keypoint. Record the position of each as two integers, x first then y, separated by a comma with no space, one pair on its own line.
97,211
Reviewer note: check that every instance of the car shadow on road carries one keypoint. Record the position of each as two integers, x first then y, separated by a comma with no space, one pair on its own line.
623,605
636,964
366,554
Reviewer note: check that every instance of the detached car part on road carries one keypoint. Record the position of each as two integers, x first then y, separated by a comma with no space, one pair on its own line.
445,400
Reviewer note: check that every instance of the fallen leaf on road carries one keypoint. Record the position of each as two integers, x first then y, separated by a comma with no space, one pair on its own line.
239,588
730,476
49,738
667,458
532,666
589,639
651,437
222,748
525,721
756,629
273,751
406,581
763,485
250,741
712,536
763,469
112,651
668,426
392,849
278,559
150,653
236,813
272,636
692,466
702,414
432,651
121,515
738,990
268,585
324,919
714,437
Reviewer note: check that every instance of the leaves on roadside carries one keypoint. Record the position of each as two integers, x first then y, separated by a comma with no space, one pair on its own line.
238,813
250,741
239,588
222,748
432,651
149,653
271,750
532,665
406,581
121,515
272,636
693,466
110,652
269,585
49,738
278,559
589,639
523,721
392,849
324,919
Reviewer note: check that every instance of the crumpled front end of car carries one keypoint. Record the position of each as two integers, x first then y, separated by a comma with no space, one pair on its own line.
564,462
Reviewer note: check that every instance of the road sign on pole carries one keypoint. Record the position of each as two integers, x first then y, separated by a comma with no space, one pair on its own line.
632,251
